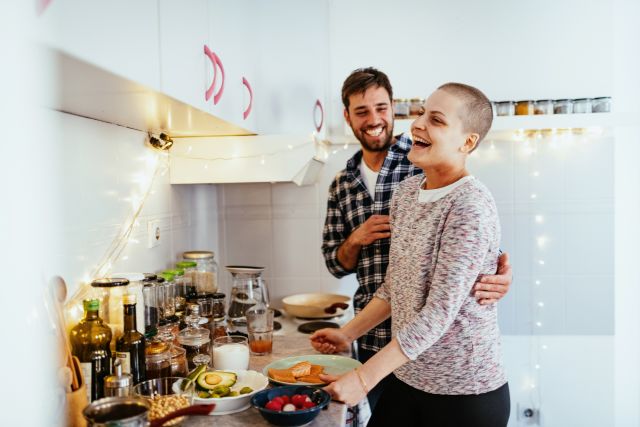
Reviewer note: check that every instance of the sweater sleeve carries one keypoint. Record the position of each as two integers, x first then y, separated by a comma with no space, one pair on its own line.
334,233
384,290
468,232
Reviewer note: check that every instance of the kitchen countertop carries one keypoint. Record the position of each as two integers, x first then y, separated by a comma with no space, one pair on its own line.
287,342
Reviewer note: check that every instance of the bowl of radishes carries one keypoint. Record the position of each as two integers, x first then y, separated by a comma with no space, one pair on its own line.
290,405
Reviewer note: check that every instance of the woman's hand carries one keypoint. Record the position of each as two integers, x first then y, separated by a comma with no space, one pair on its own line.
491,288
346,388
330,341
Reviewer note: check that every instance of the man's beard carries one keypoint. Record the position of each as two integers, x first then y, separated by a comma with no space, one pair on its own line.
374,147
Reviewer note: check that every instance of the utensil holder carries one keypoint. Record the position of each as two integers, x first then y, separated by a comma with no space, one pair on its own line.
77,400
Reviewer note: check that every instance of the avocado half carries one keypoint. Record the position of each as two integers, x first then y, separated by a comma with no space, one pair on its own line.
210,380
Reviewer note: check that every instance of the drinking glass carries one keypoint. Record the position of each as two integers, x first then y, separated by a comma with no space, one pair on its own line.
231,353
260,329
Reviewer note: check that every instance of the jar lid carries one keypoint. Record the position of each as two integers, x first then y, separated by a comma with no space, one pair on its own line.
218,295
131,277
186,264
160,279
561,100
544,100
503,102
149,277
155,348
581,99
197,255
179,271
91,304
522,101
109,282
194,336
602,98
201,295
128,299
171,271
167,276
244,269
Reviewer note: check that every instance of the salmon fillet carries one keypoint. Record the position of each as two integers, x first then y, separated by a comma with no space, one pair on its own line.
314,379
301,369
283,375
316,369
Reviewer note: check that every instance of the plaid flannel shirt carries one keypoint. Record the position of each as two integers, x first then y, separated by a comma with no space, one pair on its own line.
348,207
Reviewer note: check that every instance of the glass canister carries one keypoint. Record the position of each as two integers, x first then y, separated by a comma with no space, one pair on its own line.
157,359
543,106
135,288
194,338
601,105
168,296
109,292
152,304
401,108
582,106
524,108
184,289
562,106
188,268
178,354
504,108
415,107
205,276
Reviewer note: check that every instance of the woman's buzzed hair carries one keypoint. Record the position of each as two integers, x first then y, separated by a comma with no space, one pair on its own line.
362,79
478,114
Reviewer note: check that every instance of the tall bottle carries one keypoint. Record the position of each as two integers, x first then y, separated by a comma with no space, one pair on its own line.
130,345
90,340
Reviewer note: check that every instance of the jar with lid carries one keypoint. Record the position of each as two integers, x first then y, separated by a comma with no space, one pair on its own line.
184,289
581,105
543,106
562,106
524,108
601,105
157,359
205,275
415,107
194,339
109,292
152,304
401,108
168,296
178,355
504,108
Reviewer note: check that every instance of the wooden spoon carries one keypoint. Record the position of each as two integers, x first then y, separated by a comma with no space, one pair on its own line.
59,291
189,410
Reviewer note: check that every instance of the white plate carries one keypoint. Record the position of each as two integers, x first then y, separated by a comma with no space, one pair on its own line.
230,405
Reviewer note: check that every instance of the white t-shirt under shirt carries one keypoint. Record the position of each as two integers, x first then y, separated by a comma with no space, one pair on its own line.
370,178
430,196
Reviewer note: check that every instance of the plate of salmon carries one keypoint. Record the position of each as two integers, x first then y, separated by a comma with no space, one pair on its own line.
306,370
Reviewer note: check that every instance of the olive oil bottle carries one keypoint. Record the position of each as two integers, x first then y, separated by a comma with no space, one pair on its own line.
90,340
130,345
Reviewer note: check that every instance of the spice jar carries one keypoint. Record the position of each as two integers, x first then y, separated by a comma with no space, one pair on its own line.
504,108
415,107
543,106
178,355
194,339
205,275
581,105
152,305
562,106
601,105
157,360
524,108
401,108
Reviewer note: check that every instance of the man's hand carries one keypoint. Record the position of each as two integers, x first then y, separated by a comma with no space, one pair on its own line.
374,228
492,288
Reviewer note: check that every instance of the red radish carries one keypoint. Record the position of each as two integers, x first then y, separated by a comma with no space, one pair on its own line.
273,405
285,399
308,404
289,407
298,400
279,399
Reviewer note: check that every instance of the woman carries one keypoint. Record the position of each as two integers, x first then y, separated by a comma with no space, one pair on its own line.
445,351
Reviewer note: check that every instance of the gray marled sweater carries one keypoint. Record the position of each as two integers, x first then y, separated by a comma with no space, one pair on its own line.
438,250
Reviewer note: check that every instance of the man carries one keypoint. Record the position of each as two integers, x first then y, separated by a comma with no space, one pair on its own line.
356,232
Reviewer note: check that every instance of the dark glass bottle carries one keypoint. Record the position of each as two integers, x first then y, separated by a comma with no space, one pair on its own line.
91,336
130,345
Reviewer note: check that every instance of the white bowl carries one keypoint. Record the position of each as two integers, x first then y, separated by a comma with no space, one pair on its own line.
230,405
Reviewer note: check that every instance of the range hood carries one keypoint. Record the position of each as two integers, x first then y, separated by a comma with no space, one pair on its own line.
206,148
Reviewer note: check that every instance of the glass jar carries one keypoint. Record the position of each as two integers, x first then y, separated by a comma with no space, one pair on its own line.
152,305
178,355
184,289
205,276
188,268
109,292
415,107
562,106
401,108
168,296
601,105
524,108
157,360
194,339
219,309
543,106
505,108
582,106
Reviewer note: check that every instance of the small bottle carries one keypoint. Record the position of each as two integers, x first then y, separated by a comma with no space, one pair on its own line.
88,336
130,346
99,370
118,384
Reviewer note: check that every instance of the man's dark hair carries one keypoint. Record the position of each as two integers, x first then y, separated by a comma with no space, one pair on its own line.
478,113
362,79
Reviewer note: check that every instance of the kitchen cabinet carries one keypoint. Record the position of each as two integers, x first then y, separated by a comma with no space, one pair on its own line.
119,35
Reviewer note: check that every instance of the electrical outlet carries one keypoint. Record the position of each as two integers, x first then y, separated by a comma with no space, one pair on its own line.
153,233
527,415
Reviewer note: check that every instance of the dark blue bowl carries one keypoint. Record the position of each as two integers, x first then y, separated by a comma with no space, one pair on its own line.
294,418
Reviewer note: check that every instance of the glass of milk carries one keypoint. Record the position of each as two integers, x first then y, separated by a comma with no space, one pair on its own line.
230,353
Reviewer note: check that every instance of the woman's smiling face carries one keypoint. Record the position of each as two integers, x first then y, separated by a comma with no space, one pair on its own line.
439,137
